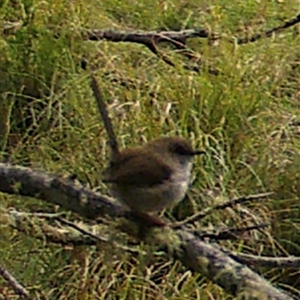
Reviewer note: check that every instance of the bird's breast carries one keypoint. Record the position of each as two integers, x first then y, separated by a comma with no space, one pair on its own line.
156,197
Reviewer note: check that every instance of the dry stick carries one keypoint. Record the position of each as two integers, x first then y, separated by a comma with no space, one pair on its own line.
152,39
40,228
265,261
145,37
101,239
230,233
195,68
81,230
18,221
105,117
38,214
17,287
59,191
194,253
208,211
180,44
153,48
268,33
176,38
207,259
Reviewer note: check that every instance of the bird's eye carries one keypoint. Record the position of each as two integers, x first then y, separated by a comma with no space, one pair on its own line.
179,149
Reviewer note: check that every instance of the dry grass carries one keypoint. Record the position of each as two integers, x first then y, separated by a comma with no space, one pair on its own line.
246,119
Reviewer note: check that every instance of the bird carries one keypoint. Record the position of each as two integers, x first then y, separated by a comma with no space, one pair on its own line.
152,177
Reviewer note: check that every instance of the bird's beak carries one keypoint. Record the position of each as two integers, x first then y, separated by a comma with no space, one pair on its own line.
198,152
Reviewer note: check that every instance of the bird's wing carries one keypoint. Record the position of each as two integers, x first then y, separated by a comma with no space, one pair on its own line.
141,169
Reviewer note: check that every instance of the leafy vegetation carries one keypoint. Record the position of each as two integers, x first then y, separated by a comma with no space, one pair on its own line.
247,119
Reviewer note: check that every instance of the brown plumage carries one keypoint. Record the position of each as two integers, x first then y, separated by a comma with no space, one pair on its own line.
152,177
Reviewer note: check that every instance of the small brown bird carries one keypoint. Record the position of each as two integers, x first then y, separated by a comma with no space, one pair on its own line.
152,177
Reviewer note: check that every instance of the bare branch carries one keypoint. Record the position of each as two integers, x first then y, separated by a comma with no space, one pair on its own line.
176,38
154,49
81,230
151,39
34,225
229,233
266,261
18,180
270,32
235,278
144,38
16,286
30,224
200,215
212,262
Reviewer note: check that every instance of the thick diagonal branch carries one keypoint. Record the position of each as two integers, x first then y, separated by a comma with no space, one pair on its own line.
201,257
18,180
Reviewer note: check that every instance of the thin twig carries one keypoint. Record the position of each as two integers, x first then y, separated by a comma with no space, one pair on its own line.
154,49
229,233
264,261
269,32
200,215
101,239
81,230
17,287
41,215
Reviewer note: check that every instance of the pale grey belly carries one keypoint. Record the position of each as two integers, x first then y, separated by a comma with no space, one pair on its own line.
154,198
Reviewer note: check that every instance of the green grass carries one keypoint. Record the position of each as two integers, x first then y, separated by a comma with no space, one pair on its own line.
242,118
